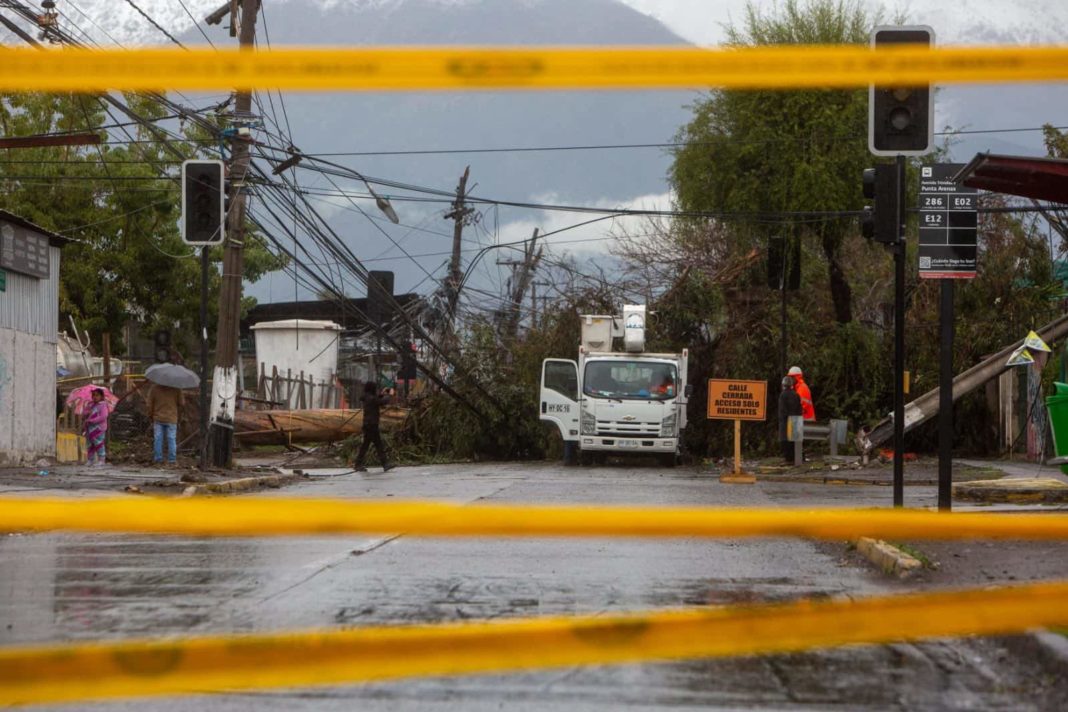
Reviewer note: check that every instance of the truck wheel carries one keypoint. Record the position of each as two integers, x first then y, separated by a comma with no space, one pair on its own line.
669,460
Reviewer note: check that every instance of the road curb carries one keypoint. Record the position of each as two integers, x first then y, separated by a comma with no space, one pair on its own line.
839,480
888,558
243,484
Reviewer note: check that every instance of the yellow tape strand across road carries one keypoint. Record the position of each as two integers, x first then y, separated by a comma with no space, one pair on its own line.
197,665
465,68
253,516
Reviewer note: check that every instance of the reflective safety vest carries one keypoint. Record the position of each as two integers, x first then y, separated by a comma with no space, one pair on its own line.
808,409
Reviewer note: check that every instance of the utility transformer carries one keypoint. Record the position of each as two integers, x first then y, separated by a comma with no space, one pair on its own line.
616,402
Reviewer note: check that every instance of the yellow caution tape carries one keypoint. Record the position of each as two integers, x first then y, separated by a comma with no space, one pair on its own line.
197,665
277,516
465,68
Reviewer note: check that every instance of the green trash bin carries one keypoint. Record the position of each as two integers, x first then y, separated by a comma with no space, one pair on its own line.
1057,407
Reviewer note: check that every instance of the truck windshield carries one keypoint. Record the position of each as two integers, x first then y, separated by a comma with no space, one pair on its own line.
634,380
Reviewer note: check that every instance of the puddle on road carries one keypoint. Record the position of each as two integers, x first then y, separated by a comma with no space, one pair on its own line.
461,598
58,587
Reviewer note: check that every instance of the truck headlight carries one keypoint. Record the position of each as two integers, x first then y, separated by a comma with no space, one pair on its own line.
588,423
667,426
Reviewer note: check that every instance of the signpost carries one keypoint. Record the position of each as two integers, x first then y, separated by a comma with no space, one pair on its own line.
737,401
948,250
948,224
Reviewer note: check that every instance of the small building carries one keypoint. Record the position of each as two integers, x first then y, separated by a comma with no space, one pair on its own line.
29,324
298,362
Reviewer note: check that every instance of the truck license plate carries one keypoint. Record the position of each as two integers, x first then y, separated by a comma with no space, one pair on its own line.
628,443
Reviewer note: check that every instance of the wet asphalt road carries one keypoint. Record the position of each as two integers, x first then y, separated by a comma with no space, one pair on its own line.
70,587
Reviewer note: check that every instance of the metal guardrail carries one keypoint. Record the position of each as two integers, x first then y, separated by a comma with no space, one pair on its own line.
798,430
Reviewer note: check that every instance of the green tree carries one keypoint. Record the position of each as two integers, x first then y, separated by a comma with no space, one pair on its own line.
119,202
783,151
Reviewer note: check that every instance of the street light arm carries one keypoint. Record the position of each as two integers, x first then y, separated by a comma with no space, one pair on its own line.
474,261
382,202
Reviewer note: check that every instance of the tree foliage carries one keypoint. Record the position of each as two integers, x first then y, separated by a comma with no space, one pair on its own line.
753,152
119,202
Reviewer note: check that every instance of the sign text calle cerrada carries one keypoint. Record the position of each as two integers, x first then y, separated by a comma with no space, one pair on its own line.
737,400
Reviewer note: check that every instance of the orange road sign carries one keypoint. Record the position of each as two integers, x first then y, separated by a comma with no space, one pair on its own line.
737,400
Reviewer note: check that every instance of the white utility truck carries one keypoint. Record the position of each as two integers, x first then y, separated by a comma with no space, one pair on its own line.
616,402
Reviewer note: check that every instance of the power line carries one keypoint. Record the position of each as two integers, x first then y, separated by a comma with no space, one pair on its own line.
625,146
155,24
196,24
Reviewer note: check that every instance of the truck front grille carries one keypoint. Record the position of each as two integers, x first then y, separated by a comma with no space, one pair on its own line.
623,429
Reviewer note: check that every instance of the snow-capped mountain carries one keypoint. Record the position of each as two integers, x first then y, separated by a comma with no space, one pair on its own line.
698,21
984,22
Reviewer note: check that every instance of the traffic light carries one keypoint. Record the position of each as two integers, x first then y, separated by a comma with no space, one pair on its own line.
203,212
162,341
899,118
881,221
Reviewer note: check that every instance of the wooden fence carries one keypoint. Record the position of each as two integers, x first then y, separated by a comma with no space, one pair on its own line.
296,392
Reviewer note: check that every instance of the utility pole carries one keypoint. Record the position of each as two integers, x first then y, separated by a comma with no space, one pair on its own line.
521,279
534,302
224,382
458,214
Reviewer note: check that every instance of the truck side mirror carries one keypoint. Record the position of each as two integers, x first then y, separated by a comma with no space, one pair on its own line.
688,390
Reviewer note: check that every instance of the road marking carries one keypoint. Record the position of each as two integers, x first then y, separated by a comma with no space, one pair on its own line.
467,68
107,669
257,516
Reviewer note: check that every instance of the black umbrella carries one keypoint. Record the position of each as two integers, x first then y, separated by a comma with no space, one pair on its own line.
173,375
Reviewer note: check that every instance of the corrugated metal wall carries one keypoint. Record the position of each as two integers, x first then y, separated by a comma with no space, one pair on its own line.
31,305
27,397
29,322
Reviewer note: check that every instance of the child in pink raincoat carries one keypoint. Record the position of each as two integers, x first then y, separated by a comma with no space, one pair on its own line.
95,427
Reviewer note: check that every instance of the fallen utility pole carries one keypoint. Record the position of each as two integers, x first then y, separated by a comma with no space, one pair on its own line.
927,405
224,382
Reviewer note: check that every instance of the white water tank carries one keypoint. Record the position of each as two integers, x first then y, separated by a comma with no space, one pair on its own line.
634,328
298,345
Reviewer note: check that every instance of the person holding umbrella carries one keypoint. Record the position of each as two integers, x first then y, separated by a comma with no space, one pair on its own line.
164,405
95,427
94,404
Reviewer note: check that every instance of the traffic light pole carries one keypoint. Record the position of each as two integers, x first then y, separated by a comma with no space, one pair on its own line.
204,357
899,339
224,381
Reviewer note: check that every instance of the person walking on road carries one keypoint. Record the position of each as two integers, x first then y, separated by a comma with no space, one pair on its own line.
372,403
808,409
164,404
95,426
789,404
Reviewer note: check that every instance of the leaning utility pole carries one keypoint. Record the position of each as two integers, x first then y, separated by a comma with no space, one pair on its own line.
521,281
458,214
224,381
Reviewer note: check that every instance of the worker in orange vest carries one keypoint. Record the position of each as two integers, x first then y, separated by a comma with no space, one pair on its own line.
808,410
